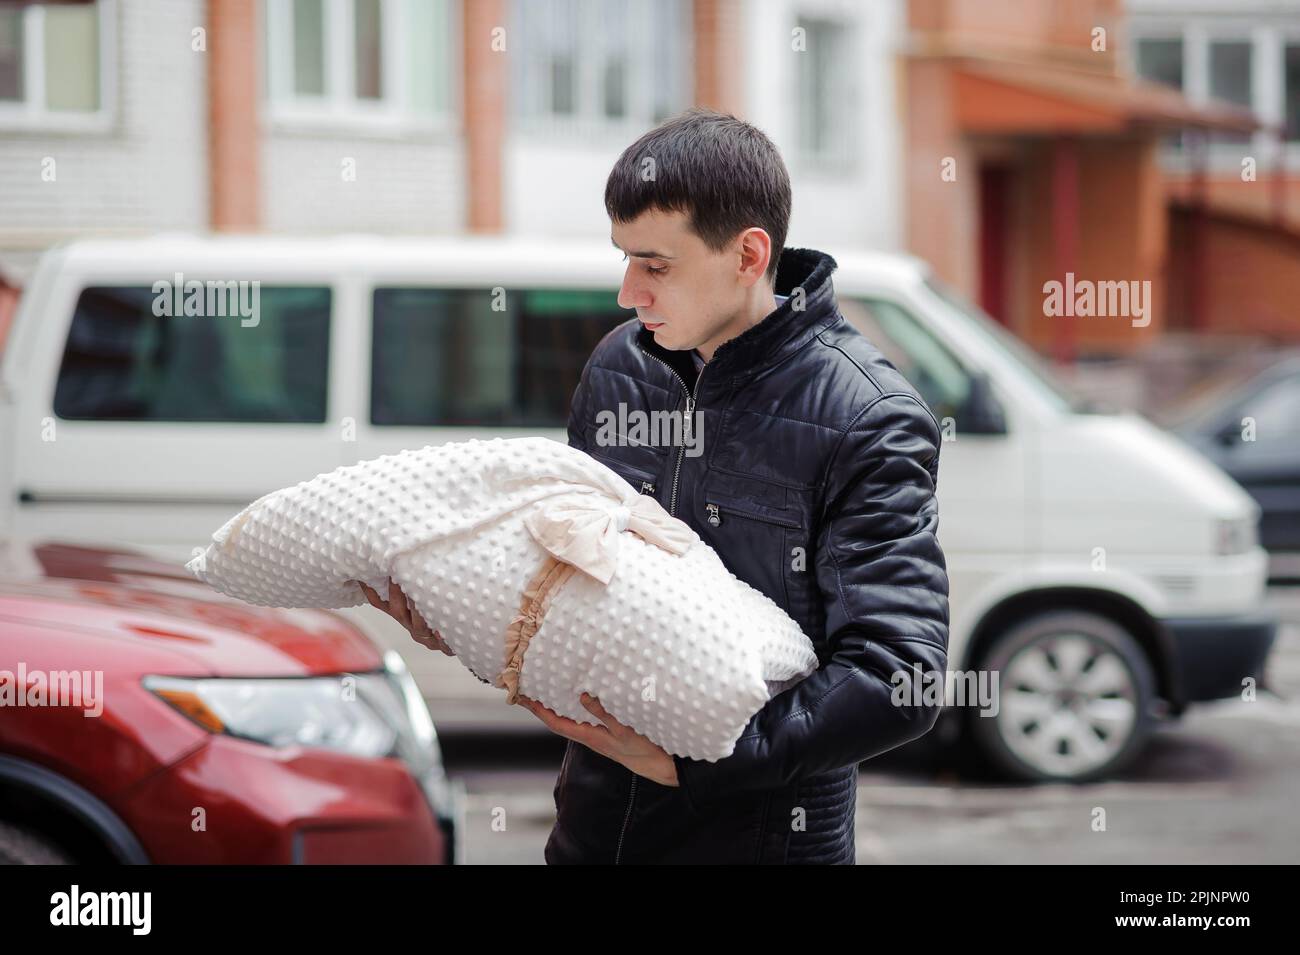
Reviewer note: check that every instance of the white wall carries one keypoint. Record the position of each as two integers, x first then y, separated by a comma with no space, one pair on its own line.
403,185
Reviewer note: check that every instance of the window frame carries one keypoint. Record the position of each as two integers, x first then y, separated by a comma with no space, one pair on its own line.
1268,39
846,159
31,113
392,113
589,122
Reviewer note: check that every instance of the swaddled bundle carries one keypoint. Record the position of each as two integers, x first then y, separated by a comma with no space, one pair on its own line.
545,572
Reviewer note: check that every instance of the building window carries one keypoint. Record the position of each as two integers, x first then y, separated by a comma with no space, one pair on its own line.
826,93
384,61
599,66
1229,63
52,63
1230,71
1161,61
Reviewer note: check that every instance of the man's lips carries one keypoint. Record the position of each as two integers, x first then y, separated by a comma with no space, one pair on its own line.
651,325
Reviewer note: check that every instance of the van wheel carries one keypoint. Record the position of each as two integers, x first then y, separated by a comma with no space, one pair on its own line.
1075,692
19,846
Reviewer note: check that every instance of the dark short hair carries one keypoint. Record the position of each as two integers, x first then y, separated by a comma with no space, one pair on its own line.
722,173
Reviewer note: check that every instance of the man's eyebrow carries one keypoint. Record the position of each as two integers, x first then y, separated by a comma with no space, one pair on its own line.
647,254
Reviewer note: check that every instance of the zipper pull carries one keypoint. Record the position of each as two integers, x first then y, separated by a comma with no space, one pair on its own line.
690,417
714,517
647,487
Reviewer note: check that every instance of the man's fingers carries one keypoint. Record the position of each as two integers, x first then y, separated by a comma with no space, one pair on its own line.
372,597
593,737
401,609
397,604
595,709
418,623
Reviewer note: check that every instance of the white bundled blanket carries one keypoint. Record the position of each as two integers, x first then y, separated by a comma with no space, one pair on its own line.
545,572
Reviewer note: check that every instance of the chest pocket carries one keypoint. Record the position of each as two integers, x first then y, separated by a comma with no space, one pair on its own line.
761,532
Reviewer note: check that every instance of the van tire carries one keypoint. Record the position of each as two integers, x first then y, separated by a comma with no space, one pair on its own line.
19,846
1126,665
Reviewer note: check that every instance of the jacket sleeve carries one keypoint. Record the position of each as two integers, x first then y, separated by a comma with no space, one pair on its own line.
578,410
884,584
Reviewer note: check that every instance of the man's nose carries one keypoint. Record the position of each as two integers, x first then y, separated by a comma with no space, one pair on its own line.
632,294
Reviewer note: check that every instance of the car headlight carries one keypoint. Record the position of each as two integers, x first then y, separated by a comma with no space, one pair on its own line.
1235,535
421,751
349,713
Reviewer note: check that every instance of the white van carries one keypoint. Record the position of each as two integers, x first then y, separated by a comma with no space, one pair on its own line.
1103,571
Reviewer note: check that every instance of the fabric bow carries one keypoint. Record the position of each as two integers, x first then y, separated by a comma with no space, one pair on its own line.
583,530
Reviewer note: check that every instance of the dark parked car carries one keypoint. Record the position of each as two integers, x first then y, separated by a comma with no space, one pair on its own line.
1253,433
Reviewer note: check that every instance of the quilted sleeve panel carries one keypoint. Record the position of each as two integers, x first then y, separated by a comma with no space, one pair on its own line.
578,410
884,581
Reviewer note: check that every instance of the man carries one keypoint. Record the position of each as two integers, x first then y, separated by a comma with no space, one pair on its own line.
807,462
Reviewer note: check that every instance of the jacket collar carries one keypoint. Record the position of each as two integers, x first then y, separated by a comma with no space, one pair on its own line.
780,334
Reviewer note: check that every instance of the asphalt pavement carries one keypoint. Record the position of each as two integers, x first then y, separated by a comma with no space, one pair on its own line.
1217,786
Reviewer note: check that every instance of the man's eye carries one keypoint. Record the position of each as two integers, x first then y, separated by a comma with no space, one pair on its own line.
650,269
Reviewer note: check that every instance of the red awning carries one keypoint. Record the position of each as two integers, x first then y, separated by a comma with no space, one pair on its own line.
996,96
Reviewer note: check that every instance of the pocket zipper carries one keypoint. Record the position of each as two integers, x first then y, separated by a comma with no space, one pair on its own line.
715,516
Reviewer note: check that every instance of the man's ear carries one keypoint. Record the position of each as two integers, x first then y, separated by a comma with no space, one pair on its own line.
755,253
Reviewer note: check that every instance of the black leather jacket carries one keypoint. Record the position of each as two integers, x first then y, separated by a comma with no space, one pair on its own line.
815,485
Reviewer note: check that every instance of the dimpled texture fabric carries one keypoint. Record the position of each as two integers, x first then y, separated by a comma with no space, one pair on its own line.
673,645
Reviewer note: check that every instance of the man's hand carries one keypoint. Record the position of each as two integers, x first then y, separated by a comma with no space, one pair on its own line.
613,740
400,608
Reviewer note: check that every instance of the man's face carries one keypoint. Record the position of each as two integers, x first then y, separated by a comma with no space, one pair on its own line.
684,292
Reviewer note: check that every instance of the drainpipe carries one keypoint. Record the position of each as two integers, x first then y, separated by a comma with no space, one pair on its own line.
1198,143
1065,235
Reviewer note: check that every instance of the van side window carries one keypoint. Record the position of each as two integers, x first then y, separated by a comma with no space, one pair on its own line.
472,357
921,358
123,362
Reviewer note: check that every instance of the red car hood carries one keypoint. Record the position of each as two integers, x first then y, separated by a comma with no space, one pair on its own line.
120,593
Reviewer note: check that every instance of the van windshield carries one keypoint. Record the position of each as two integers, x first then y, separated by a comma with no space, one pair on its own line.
1035,369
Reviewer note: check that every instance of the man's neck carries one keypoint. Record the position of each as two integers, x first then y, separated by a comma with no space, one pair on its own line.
763,305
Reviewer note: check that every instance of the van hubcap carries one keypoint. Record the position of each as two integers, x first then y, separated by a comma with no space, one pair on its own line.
1068,704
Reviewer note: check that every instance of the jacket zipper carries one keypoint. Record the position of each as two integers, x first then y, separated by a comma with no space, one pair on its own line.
686,425
672,504
717,510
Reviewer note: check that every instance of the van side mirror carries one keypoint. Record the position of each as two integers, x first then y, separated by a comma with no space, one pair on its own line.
982,413
1228,434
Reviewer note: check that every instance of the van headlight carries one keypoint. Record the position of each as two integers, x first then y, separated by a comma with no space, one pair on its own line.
350,713
1235,535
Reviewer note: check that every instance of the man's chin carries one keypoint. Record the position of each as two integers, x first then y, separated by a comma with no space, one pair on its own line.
663,338
666,340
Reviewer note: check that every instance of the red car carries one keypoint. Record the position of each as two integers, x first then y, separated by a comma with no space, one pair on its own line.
146,718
